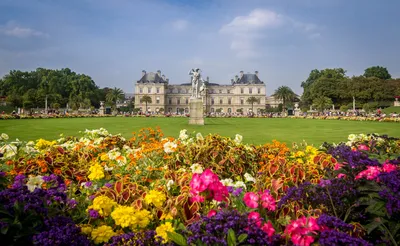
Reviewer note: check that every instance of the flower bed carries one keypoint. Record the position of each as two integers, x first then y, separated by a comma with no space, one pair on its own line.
198,190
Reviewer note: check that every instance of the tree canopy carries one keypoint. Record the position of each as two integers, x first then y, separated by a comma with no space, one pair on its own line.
375,86
285,94
62,87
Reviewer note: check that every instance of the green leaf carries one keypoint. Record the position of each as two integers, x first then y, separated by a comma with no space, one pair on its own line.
4,230
177,238
374,224
231,237
377,208
242,238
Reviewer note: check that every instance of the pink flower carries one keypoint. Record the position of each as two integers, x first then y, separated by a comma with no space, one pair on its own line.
218,191
196,184
341,175
387,167
363,147
268,201
268,228
251,199
338,166
255,217
197,198
211,213
208,177
371,173
302,229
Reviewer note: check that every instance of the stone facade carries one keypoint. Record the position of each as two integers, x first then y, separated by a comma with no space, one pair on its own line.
217,98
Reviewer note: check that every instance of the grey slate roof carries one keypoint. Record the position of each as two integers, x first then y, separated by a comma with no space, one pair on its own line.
152,78
247,78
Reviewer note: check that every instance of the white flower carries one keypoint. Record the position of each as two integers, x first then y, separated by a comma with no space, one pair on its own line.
30,143
249,178
196,168
28,150
227,182
169,184
199,136
113,154
8,150
4,136
169,147
98,140
238,139
239,184
183,135
34,182
352,137
106,168
121,161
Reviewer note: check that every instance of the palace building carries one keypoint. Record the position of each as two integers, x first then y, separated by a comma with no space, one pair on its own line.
217,98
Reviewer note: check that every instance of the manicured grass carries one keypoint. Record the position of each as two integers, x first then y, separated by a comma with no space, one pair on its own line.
256,130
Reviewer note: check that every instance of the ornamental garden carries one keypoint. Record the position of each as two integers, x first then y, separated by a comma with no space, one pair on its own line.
100,188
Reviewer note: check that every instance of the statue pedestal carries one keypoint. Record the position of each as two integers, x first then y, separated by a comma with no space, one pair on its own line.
297,112
101,110
196,111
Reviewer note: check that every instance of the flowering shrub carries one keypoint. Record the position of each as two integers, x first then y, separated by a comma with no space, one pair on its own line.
204,190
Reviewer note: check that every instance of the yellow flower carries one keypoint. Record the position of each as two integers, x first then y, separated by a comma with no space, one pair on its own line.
104,157
155,197
163,229
166,216
124,216
43,144
143,218
86,229
103,205
96,172
102,234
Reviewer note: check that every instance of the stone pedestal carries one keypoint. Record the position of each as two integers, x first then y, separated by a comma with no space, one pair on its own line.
101,110
196,111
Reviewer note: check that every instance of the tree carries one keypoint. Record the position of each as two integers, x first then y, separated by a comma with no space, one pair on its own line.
378,72
285,94
146,99
322,103
114,95
344,108
252,100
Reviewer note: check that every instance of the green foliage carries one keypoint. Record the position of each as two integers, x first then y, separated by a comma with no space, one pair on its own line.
61,86
114,95
377,72
285,94
344,108
253,100
334,83
366,107
146,99
321,103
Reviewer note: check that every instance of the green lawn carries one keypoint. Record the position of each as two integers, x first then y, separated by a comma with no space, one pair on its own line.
255,130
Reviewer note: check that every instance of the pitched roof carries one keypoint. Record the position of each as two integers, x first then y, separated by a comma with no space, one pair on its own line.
247,78
152,78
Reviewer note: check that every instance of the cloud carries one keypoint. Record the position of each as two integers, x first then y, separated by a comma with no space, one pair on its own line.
13,30
180,25
246,31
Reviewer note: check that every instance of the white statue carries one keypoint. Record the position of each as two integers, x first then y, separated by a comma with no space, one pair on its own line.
198,84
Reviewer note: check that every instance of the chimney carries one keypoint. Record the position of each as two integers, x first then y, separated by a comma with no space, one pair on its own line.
159,72
241,74
163,77
143,73
256,72
232,81
208,79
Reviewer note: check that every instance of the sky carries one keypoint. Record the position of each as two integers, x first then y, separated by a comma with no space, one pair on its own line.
114,40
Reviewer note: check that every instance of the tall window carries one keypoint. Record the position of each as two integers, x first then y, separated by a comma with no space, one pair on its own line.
241,101
157,100
148,90
229,100
228,91
259,90
229,110
220,101
169,101
158,90
141,90
178,101
220,91
250,91
241,90
186,100
212,101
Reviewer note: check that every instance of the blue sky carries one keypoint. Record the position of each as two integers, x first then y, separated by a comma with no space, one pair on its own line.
114,40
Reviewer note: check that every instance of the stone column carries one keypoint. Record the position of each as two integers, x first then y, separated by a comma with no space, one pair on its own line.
196,111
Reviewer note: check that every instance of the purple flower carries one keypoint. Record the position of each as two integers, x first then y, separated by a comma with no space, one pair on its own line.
108,185
88,184
72,203
333,223
93,213
238,191
2,174
230,189
333,237
324,182
18,181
